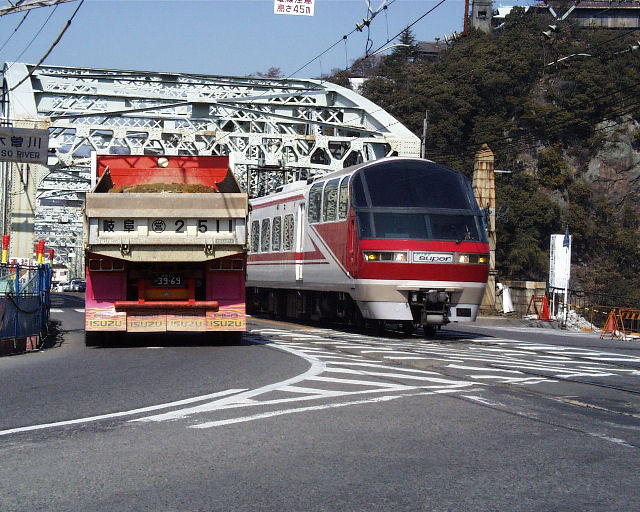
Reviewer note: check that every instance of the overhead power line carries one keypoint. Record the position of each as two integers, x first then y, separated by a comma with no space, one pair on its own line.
14,31
26,5
33,69
358,28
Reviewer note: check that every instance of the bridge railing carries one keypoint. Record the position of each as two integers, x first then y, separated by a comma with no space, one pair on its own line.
25,301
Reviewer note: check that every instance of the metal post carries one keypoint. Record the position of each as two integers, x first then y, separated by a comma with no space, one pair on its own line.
566,288
16,295
423,151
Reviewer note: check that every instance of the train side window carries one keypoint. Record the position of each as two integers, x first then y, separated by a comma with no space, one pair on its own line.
358,197
343,200
265,236
287,239
330,201
315,202
255,235
276,233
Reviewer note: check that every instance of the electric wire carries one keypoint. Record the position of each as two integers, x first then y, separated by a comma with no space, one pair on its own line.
14,31
344,37
17,59
53,45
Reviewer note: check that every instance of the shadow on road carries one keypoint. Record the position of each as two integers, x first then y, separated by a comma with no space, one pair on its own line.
391,331
169,339
54,337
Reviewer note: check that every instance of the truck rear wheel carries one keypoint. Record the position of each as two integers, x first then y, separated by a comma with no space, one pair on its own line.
233,338
93,339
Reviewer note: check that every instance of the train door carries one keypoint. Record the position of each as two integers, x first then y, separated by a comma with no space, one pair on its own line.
300,219
352,249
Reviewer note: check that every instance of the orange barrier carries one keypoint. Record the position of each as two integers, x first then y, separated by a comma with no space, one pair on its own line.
623,323
540,306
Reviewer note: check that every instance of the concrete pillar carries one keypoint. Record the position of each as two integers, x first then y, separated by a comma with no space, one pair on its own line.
481,15
485,191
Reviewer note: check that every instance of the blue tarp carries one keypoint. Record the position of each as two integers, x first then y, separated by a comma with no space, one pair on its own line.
25,300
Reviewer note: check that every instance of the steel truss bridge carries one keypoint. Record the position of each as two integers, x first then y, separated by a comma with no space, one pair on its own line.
276,130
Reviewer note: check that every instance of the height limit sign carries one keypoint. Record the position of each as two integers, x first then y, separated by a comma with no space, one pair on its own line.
294,7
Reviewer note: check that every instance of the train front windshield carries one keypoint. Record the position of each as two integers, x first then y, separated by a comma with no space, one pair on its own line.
415,200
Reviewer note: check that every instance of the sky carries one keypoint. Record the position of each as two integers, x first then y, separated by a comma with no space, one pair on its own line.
217,37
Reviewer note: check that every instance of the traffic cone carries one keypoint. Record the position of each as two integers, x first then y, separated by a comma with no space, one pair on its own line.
544,311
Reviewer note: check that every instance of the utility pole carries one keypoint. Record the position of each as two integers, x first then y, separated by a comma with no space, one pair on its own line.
423,151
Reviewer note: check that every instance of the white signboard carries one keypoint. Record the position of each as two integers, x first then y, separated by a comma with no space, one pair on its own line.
432,257
559,261
23,145
294,7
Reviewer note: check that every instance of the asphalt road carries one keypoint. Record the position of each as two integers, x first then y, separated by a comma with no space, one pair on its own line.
301,417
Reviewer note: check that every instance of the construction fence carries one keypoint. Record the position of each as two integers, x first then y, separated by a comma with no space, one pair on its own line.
615,316
25,301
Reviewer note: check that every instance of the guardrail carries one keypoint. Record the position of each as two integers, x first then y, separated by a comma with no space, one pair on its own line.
25,301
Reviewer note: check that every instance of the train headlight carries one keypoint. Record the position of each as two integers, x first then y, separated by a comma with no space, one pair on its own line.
473,258
398,257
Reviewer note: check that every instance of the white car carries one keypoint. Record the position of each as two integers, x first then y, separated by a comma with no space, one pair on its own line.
63,287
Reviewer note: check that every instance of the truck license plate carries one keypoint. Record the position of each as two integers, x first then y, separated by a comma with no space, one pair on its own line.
166,279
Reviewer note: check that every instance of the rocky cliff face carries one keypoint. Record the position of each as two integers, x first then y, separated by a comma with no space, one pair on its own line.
614,170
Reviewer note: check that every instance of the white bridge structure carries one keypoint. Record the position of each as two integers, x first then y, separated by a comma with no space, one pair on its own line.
276,130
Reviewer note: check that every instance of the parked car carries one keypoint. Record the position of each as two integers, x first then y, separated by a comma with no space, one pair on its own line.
77,285
62,287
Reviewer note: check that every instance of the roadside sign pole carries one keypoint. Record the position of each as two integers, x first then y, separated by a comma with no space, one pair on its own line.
566,242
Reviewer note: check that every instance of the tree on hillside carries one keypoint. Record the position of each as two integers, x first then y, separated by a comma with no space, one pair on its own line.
272,72
406,49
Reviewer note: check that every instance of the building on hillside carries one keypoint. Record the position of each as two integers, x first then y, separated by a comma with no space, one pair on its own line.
428,50
590,14
607,14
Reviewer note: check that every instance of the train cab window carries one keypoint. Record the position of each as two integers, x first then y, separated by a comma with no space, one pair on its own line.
418,226
343,199
276,233
414,184
330,202
315,202
287,233
265,236
255,236
455,227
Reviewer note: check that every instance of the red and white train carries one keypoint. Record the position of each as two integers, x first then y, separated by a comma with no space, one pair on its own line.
397,240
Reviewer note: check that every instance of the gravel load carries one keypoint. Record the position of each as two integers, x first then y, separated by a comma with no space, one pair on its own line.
176,188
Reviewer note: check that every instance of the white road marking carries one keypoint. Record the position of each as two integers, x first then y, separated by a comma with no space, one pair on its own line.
479,368
317,367
614,440
79,310
383,350
482,400
356,382
389,375
387,398
119,414
55,310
